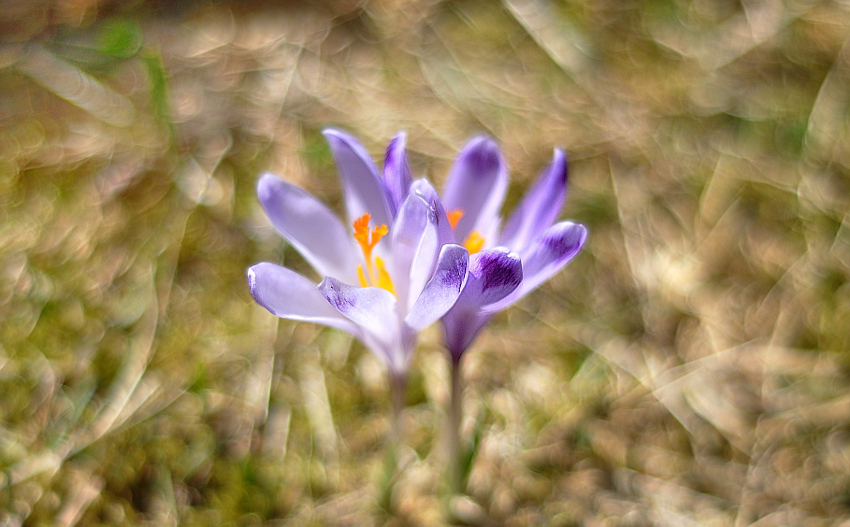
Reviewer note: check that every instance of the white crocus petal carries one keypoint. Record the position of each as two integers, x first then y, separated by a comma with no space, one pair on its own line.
442,291
311,227
444,230
365,191
415,247
476,185
287,294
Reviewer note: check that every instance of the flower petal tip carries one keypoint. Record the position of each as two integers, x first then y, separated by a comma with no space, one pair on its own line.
252,281
333,132
267,186
338,138
255,289
482,154
560,163
566,238
500,271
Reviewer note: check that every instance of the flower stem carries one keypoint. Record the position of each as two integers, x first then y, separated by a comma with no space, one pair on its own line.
455,416
398,384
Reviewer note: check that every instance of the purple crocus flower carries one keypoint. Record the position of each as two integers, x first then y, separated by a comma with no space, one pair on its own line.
507,262
513,260
387,274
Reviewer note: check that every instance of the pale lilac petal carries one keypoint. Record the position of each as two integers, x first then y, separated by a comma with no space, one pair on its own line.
287,294
365,191
311,227
493,275
442,291
397,171
544,257
415,247
461,326
429,194
539,207
477,184
372,309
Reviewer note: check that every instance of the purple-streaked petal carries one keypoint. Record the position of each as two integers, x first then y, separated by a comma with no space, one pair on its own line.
397,171
415,247
477,184
372,309
442,291
310,226
544,257
287,294
493,275
539,207
365,191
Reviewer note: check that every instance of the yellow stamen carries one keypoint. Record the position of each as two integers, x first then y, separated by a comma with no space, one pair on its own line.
454,217
367,241
474,242
384,281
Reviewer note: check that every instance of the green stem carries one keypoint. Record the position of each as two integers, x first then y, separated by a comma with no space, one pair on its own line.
455,415
398,384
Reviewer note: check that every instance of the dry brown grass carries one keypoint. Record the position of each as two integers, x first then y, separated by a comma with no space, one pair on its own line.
689,368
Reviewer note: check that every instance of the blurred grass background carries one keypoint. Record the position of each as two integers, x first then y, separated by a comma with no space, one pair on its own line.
690,367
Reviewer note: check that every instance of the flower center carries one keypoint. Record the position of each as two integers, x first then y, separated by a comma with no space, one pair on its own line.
376,274
474,242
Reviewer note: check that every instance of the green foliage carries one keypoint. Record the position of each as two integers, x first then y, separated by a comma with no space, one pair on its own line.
120,38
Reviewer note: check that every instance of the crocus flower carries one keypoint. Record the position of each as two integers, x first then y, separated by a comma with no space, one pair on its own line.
507,262
387,273
514,259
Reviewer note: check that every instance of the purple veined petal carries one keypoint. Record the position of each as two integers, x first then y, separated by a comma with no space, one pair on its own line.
287,294
539,207
365,191
476,185
372,309
546,255
443,290
429,194
493,275
397,171
310,226
415,247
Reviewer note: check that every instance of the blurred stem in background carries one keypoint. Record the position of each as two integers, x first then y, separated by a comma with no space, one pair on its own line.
460,451
456,476
390,471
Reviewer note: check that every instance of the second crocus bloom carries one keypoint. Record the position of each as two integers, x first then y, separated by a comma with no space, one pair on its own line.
507,261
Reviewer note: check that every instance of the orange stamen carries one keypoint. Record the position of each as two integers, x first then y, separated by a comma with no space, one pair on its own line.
367,241
454,217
